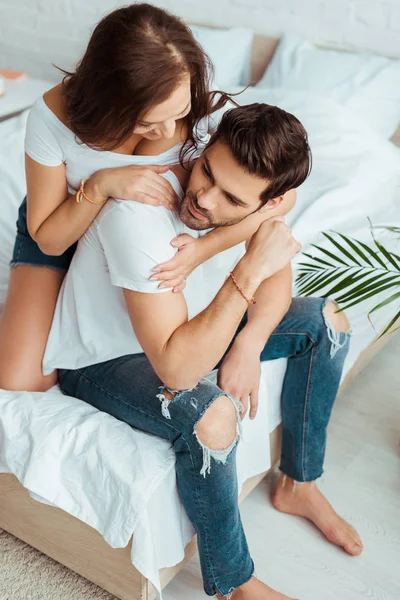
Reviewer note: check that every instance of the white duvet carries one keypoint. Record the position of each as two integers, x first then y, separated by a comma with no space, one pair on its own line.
121,481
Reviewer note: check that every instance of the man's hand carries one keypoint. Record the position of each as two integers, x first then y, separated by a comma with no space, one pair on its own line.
239,375
271,248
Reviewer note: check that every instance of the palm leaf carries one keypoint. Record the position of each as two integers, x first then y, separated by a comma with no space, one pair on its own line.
387,255
303,279
382,249
367,287
308,277
390,325
342,249
320,284
397,257
358,272
309,267
316,284
374,255
349,281
353,246
325,251
318,259
367,296
391,228
385,302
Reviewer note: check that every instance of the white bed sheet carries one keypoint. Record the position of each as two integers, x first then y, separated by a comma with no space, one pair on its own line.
118,480
121,481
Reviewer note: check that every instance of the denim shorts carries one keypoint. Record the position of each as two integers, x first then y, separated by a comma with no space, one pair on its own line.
27,252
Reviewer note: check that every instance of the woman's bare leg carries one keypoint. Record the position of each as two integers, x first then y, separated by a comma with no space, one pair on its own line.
24,327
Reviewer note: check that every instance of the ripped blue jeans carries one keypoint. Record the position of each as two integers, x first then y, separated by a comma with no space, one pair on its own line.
129,389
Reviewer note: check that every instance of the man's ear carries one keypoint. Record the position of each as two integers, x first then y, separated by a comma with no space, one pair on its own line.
271,204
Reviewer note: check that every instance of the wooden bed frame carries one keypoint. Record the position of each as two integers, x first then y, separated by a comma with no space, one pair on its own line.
81,548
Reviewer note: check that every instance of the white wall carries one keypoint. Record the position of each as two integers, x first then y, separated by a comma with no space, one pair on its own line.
35,33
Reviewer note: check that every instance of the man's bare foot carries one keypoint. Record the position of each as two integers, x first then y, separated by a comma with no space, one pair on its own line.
255,590
307,501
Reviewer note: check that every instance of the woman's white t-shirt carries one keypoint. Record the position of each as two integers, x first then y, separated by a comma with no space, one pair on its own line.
49,142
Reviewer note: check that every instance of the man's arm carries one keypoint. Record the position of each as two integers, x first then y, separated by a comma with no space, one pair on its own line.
182,352
274,297
239,374
133,238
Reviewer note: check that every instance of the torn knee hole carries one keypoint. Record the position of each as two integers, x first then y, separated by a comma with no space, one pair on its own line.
337,320
217,432
217,428
337,326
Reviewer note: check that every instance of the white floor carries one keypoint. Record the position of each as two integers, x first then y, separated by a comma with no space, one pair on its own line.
362,481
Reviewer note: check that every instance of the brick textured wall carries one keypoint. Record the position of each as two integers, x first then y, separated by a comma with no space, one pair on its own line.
35,33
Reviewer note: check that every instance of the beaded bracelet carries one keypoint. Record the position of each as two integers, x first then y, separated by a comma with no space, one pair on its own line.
80,195
249,301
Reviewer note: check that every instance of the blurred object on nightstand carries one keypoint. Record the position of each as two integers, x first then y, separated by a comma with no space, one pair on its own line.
18,91
12,75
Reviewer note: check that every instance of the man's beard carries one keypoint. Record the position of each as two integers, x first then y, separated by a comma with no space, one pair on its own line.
207,222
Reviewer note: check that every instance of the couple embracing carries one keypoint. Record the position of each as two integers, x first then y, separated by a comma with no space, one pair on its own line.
133,151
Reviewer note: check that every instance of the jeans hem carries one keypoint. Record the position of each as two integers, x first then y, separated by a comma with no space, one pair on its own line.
229,594
29,264
301,479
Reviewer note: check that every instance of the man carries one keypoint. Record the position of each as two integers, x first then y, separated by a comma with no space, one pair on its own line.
143,356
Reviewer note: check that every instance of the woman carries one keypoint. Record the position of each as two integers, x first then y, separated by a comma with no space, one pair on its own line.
139,96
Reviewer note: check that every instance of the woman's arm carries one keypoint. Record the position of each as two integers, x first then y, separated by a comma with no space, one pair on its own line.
56,221
192,252
222,238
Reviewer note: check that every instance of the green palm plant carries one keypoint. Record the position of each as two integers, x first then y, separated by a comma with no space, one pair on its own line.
352,272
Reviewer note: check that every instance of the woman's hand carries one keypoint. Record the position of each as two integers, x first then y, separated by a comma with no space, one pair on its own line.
174,272
133,182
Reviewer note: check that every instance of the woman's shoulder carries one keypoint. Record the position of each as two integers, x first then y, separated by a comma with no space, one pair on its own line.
48,114
46,135
55,102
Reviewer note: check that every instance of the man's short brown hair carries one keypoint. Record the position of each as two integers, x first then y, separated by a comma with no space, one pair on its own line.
267,142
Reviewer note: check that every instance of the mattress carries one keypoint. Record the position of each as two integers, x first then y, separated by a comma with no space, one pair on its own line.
121,481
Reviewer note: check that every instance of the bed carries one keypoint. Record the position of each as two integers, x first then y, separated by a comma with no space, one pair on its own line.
101,498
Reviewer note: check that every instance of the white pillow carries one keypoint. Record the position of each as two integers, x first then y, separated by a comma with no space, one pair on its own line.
230,53
366,83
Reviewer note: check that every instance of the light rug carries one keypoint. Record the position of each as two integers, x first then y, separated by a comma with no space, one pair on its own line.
27,574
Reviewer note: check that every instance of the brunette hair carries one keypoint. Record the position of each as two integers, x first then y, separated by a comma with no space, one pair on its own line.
267,142
136,57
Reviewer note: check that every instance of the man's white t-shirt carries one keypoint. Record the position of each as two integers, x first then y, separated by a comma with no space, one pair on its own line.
91,322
